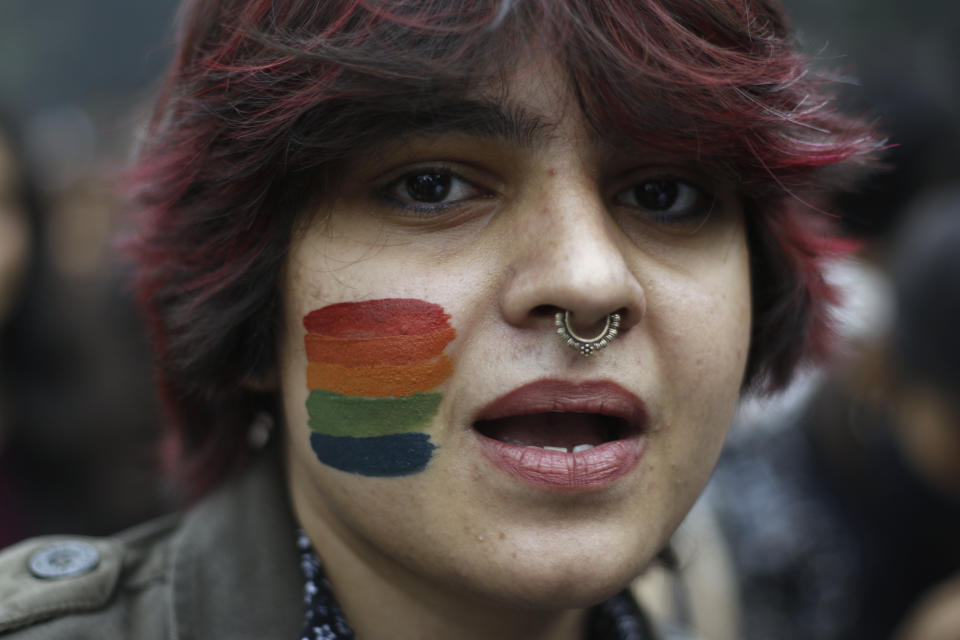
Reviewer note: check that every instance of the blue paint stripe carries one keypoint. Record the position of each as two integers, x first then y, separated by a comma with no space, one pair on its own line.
380,456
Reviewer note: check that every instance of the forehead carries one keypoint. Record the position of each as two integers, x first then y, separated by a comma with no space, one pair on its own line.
531,107
537,97
532,104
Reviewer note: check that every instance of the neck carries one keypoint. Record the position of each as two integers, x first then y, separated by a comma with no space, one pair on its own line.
384,600
414,611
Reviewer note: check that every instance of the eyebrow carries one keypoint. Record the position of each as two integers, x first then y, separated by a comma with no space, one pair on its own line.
515,125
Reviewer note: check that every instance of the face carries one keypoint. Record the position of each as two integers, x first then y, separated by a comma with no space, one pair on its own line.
422,373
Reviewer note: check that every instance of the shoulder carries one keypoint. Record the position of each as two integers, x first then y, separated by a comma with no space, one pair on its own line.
80,587
228,567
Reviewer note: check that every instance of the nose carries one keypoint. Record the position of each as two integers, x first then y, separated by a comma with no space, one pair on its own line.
569,255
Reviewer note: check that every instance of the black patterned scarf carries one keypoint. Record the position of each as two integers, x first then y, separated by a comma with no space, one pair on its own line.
619,618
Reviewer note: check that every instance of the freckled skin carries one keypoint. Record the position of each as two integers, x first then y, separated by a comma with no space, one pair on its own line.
499,265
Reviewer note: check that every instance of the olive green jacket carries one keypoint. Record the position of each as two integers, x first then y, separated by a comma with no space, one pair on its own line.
228,568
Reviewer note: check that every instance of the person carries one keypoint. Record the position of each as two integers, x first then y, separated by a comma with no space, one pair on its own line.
453,303
85,461
922,383
20,233
857,492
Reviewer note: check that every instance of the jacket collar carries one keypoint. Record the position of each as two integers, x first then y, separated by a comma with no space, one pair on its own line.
235,567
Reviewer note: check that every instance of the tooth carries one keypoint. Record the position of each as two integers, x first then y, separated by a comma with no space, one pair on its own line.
560,449
582,447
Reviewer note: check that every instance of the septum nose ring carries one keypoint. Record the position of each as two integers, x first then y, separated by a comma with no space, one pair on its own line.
586,346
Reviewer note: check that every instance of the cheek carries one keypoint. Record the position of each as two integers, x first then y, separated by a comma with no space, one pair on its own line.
704,330
720,341
372,373
703,336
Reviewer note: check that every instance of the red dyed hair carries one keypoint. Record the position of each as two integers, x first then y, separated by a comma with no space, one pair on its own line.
265,97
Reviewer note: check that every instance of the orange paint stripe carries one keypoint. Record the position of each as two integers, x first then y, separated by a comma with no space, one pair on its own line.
355,352
379,380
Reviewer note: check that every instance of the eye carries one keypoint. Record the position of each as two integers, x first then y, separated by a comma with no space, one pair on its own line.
668,200
430,189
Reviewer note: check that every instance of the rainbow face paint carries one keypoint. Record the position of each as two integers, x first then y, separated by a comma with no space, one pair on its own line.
372,367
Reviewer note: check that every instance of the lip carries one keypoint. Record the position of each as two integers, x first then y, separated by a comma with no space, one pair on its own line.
592,470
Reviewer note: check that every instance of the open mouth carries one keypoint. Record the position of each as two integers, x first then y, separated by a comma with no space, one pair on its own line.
561,431
561,435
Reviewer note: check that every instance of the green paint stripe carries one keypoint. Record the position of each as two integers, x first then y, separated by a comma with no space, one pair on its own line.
335,414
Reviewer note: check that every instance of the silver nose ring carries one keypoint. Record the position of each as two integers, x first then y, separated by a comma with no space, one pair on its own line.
586,346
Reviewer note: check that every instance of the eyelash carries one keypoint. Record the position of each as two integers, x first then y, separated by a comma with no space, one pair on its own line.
457,184
700,206
698,210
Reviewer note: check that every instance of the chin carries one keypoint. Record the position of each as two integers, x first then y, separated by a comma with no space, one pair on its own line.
569,572
564,587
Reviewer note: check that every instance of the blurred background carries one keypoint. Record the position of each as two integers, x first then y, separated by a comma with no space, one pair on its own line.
834,512
77,414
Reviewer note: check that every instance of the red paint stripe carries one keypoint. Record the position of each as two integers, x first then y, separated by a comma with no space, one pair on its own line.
377,318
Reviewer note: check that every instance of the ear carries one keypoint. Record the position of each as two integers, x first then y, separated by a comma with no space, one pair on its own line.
265,382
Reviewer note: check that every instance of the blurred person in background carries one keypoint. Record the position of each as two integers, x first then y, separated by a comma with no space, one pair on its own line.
920,387
843,519
21,261
19,219
77,430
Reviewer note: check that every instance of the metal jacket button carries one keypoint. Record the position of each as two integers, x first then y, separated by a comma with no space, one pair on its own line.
64,560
